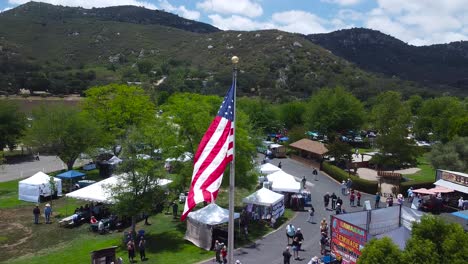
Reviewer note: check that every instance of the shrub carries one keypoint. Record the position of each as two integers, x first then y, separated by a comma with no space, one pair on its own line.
358,183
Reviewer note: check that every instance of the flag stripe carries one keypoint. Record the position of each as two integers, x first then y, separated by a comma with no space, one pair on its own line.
214,152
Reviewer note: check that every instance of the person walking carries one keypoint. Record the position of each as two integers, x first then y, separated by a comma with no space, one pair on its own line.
142,247
352,197
326,200
333,200
377,200
311,215
47,213
295,247
460,203
303,181
323,243
217,247
339,201
36,213
338,208
323,226
131,250
290,232
175,208
343,187
358,195
300,237
286,256
224,254
349,185
389,201
279,165
315,173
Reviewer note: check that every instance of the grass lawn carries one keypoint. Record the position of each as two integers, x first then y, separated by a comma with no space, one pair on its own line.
426,174
23,242
9,195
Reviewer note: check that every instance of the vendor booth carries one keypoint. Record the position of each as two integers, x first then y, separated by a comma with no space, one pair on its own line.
277,150
265,204
69,178
284,182
268,168
100,191
350,232
32,188
202,225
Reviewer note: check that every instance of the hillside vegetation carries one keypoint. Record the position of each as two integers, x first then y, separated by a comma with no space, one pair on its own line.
66,50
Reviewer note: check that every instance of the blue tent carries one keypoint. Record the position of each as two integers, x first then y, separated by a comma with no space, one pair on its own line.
70,174
462,214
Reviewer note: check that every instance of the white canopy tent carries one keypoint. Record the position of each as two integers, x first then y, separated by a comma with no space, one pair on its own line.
100,191
32,188
263,197
284,182
200,224
114,160
268,203
268,168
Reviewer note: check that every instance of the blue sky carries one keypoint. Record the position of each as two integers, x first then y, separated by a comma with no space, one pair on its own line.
417,22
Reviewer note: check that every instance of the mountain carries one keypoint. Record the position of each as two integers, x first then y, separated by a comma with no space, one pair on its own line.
66,50
42,13
435,65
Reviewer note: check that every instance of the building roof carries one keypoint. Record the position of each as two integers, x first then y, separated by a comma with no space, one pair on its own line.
310,146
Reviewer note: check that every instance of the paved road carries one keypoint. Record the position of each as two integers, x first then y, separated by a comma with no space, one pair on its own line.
269,249
25,169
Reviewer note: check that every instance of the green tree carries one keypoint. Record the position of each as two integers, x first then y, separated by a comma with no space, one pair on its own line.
118,107
139,188
333,110
64,131
447,240
390,112
193,113
451,156
382,251
144,66
12,124
390,116
261,113
414,103
441,119
420,251
341,151
291,114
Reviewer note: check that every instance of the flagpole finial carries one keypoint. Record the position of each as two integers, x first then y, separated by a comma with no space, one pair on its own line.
235,59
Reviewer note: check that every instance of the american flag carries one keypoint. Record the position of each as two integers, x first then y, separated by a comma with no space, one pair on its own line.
213,155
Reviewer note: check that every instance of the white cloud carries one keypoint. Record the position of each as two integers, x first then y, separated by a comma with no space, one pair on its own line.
248,8
180,10
343,2
420,22
349,14
295,21
90,4
236,22
299,22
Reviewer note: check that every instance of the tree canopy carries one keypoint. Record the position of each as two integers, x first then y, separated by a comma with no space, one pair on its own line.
432,240
441,119
12,124
193,113
117,107
63,131
334,110
451,156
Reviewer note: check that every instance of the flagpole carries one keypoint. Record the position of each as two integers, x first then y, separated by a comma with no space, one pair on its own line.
234,60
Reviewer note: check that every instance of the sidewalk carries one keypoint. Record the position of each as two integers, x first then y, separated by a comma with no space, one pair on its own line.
269,249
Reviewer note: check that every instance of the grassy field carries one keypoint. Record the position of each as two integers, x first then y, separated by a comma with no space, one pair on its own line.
426,174
23,242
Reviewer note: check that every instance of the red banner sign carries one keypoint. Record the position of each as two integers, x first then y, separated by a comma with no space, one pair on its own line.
347,240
